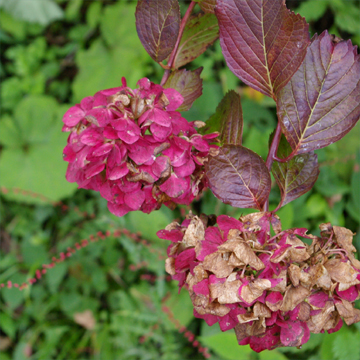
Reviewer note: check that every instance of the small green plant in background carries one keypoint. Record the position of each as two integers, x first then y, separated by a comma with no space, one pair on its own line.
109,299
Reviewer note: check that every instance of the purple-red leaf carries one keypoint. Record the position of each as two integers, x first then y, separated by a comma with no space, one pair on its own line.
207,6
263,42
297,176
188,84
200,32
321,103
227,120
239,177
157,24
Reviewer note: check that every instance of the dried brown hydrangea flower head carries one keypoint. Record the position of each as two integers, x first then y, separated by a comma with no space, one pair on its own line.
274,291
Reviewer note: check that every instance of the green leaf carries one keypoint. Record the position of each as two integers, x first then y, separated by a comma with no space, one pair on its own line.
312,10
42,12
200,32
226,346
272,355
346,345
227,120
32,157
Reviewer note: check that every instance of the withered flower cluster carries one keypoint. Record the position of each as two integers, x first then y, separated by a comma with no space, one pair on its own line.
274,291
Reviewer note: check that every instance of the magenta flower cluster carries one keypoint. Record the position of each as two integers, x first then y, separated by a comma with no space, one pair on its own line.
274,291
135,149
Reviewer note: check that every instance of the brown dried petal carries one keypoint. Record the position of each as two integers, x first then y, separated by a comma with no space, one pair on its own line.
170,266
173,226
345,286
234,261
354,318
199,301
340,271
245,318
195,233
294,296
317,275
241,331
252,221
245,254
333,320
254,289
261,310
215,290
200,273
258,327
318,321
294,274
276,224
230,292
282,285
217,263
304,313
213,309
345,308
344,238
298,251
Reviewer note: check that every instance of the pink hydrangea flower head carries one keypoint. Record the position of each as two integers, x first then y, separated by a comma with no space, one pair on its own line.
133,147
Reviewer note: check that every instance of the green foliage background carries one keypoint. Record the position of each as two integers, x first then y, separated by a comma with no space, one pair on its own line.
53,54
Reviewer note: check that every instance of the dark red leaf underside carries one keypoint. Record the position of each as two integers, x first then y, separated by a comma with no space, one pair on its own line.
200,32
157,24
239,177
263,42
297,176
321,103
227,120
188,84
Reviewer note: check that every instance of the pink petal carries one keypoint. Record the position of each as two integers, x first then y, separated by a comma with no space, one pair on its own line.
185,170
110,133
199,143
161,165
212,240
202,288
226,223
91,136
103,149
351,294
135,199
159,116
68,154
159,132
140,152
297,333
94,170
118,172
118,210
73,116
318,299
87,103
183,260
172,235
174,186
101,116
117,155
144,83
175,99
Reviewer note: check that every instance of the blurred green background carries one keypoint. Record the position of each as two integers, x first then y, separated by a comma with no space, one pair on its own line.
105,302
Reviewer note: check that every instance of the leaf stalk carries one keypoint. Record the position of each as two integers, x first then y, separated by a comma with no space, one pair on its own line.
173,54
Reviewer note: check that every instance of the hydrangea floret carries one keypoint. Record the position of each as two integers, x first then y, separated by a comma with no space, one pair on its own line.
274,291
133,147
